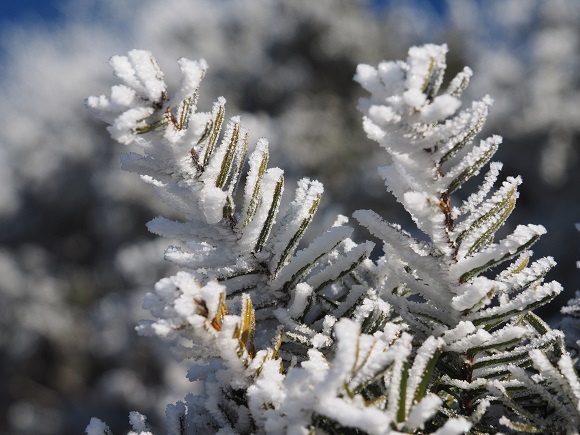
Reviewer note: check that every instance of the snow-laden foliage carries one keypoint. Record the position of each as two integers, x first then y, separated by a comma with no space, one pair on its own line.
237,257
71,220
454,284
251,248
320,339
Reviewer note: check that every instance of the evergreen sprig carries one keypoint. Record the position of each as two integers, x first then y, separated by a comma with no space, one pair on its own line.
437,335
452,288
238,255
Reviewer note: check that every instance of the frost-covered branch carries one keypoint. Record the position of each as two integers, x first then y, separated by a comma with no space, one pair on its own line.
239,252
437,335
448,286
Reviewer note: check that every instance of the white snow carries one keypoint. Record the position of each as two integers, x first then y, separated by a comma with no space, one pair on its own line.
495,252
139,424
299,299
442,107
139,71
475,292
192,72
423,410
97,427
454,426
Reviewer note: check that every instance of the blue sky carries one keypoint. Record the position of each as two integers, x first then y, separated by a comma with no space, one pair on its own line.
18,11
30,10
438,5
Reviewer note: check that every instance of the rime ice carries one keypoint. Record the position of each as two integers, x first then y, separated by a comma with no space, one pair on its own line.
436,335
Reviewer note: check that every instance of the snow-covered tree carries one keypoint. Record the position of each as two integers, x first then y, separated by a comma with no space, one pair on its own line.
429,338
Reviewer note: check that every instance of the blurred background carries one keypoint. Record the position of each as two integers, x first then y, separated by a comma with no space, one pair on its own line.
75,256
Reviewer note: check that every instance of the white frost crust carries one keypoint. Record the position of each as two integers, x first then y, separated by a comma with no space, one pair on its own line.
140,71
565,379
441,108
510,184
332,272
476,339
213,202
142,93
416,255
130,104
527,276
291,324
318,387
481,338
521,302
254,227
266,388
305,258
424,354
371,420
181,301
503,193
566,366
460,81
349,412
477,292
258,158
471,159
461,128
139,424
147,167
214,167
490,367
423,411
299,299
362,311
299,211
476,198
192,72
399,95
421,61
398,116
454,426
97,427
301,396
508,246
463,329
404,348
425,210
124,125
566,408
